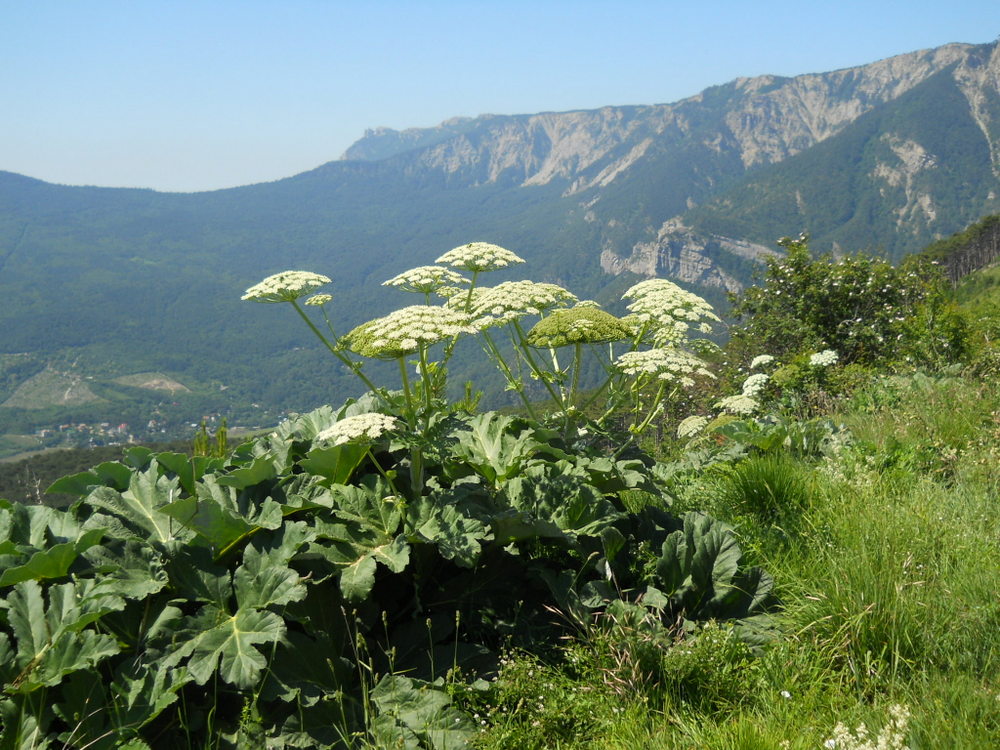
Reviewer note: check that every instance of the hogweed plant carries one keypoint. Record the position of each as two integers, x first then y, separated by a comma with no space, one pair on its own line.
531,331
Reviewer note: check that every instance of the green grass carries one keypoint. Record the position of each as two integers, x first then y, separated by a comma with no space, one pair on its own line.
887,566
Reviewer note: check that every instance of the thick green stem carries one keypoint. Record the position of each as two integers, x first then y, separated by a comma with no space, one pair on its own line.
353,366
516,384
539,373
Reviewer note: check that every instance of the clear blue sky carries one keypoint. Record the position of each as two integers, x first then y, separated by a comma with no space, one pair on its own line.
185,95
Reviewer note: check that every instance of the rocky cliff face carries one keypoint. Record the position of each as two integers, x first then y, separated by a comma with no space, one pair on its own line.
672,157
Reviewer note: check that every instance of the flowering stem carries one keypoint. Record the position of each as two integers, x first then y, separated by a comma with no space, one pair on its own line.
529,358
516,384
416,455
577,364
351,364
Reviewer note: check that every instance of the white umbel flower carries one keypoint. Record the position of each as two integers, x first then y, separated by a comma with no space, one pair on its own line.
479,256
755,384
667,363
406,330
668,310
824,358
426,279
760,361
359,428
286,286
495,305
740,404
691,426
318,300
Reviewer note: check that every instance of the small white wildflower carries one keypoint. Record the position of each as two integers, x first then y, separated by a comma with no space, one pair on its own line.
286,286
760,361
426,279
479,256
785,694
755,384
739,404
358,428
691,426
318,300
402,332
824,358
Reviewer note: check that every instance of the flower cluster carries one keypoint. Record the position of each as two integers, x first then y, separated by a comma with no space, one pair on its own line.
761,360
426,279
824,358
286,286
406,330
668,311
479,256
358,428
318,300
754,384
691,426
892,736
741,404
578,325
490,306
668,363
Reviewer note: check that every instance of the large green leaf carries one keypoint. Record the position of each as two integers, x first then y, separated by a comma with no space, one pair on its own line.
411,712
37,542
109,474
140,506
52,640
228,644
456,535
488,445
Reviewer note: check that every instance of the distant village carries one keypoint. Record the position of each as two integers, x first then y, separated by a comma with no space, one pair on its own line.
95,434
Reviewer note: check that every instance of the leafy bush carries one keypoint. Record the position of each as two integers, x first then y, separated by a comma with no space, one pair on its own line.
862,307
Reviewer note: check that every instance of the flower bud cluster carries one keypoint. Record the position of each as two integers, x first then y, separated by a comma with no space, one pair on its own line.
286,286
579,325
359,428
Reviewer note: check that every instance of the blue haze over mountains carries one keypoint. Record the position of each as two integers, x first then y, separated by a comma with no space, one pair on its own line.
99,282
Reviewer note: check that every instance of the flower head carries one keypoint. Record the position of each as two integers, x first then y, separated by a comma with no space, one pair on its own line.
755,384
668,311
360,427
691,426
578,325
740,404
495,305
406,330
426,279
668,363
318,300
479,256
760,361
824,358
286,286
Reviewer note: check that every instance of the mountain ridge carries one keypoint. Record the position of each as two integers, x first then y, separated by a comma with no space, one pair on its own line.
116,281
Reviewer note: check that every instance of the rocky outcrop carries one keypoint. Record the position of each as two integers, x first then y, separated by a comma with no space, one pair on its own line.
679,253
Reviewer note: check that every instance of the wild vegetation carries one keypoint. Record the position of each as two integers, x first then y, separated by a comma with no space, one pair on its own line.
811,563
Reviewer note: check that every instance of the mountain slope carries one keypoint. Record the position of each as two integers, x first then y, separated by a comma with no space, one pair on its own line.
103,283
